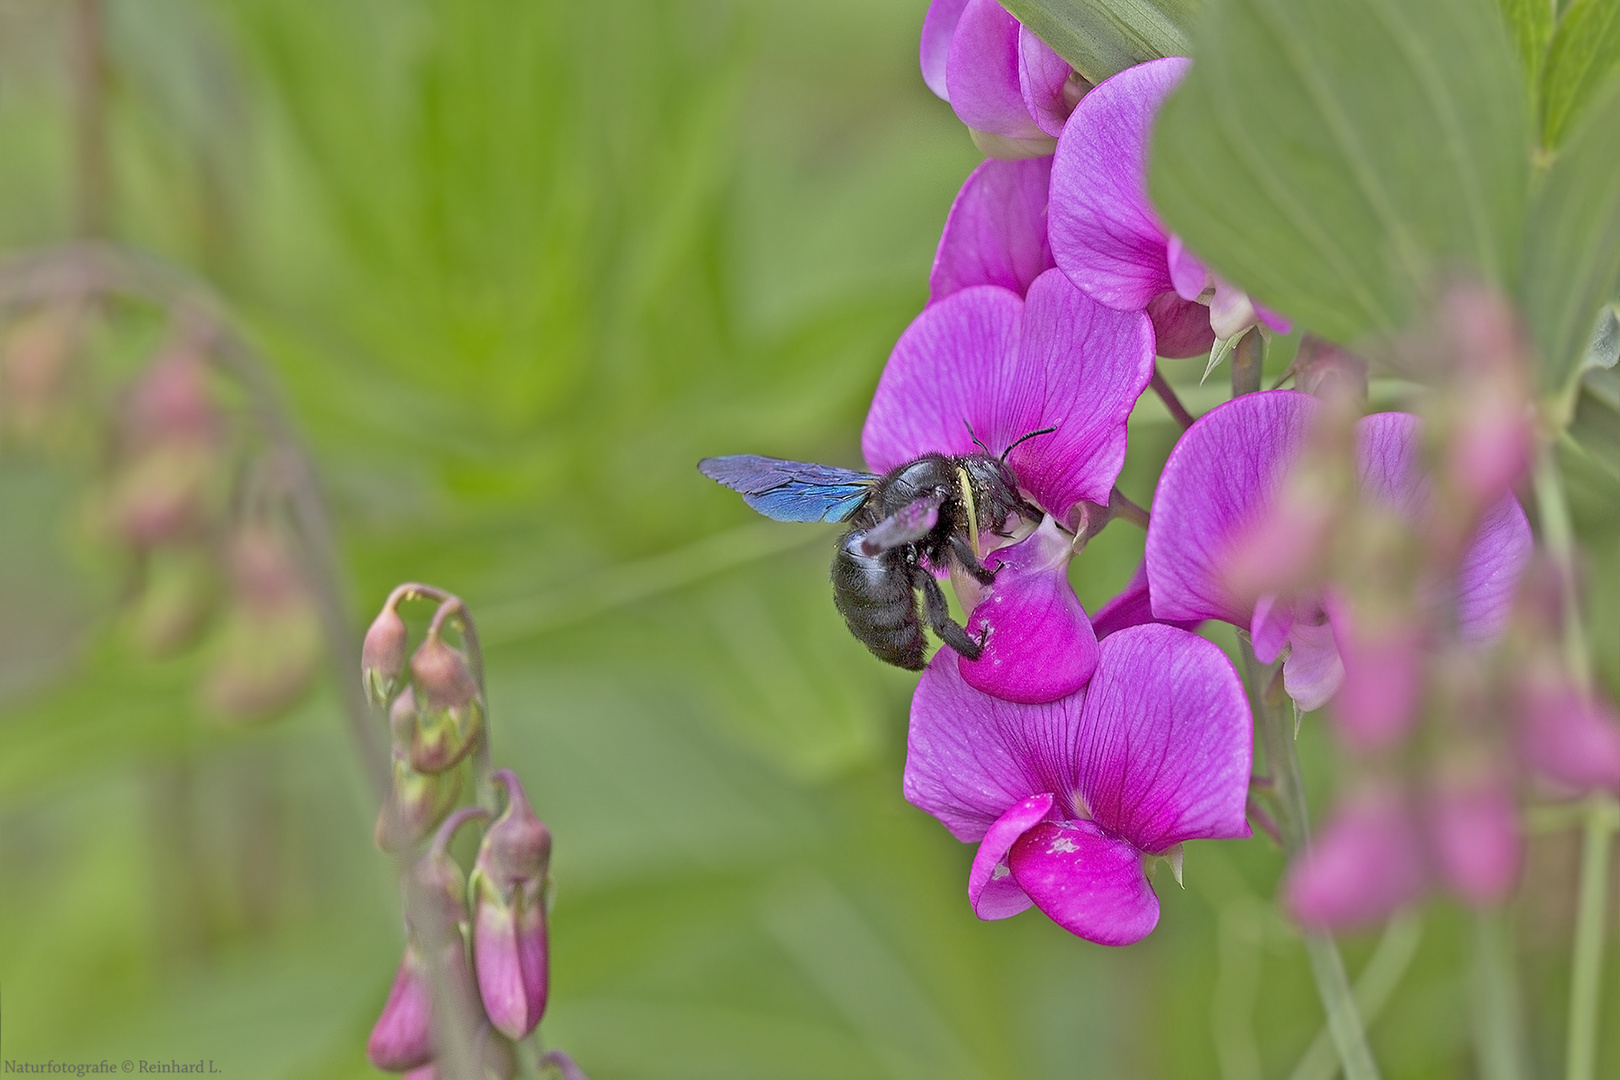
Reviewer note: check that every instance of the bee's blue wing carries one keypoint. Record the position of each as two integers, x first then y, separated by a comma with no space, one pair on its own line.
791,490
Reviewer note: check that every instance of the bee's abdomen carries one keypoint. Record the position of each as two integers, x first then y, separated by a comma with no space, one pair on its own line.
874,595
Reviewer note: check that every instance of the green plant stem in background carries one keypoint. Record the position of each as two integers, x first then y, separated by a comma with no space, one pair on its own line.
1374,987
1602,819
1499,1040
1275,728
1602,816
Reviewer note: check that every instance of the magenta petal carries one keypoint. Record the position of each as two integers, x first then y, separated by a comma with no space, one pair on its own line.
939,26
1165,740
1269,627
1180,327
950,368
981,73
1188,275
402,1038
509,956
1366,863
996,231
1313,671
1488,578
1221,477
1474,834
970,756
1568,736
1087,882
1043,78
992,890
1133,607
1038,643
1104,232
1080,369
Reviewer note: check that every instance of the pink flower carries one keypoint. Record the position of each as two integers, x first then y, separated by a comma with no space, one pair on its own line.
984,364
1105,234
1215,497
1068,799
509,918
1006,84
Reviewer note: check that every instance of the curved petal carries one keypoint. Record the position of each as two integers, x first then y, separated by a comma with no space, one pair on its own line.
1165,740
1188,275
992,890
1043,78
1313,671
949,369
1180,327
996,231
1038,643
1133,607
1087,882
1080,369
1491,568
939,26
981,73
1366,863
1105,234
1269,626
970,756
1221,477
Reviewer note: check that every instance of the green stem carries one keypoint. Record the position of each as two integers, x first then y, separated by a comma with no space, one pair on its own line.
1275,727
1602,819
1498,1014
1602,816
1248,362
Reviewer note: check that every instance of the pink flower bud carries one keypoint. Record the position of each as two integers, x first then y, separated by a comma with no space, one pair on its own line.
382,655
1326,371
449,708
1568,735
1384,674
403,1035
1366,862
416,803
1474,835
509,926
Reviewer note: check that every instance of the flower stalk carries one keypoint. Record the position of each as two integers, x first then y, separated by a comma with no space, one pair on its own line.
1274,723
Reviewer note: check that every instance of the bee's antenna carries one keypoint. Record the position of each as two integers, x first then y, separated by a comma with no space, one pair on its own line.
1023,438
981,445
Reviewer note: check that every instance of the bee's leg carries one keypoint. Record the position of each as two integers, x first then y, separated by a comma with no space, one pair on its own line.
939,616
970,562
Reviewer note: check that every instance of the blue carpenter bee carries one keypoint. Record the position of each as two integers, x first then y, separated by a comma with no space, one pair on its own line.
904,526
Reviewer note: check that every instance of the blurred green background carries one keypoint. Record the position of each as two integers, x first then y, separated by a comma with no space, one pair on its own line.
516,267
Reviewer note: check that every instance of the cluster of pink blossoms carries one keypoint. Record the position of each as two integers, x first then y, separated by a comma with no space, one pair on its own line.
1076,750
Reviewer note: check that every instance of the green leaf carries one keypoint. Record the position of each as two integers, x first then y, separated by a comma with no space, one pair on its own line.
1334,156
1583,55
1572,252
1100,38
1531,24
1596,426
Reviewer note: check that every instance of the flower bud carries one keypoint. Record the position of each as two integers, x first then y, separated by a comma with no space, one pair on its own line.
1326,371
1475,837
437,878
1366,862
36,357
509,925
556,1065
416,803
1570,736
382,655
402,1038
450,710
